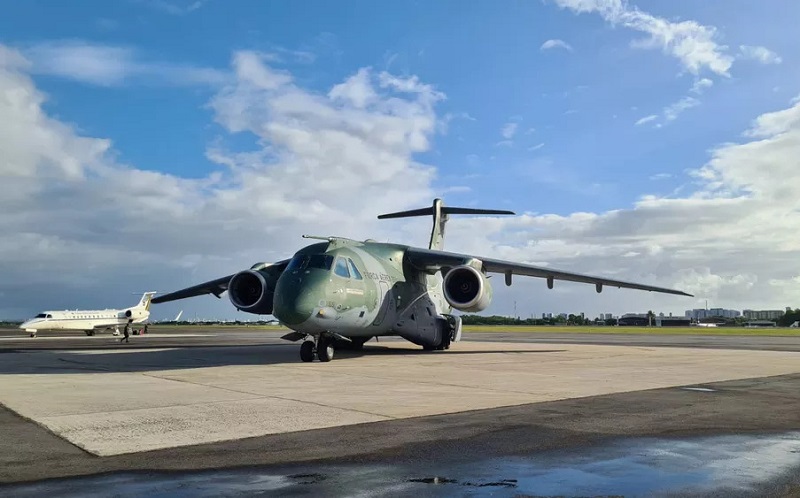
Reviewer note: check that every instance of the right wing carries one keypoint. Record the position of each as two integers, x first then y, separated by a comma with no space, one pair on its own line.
431,260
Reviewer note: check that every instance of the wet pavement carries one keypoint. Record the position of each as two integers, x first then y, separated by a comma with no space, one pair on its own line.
737,465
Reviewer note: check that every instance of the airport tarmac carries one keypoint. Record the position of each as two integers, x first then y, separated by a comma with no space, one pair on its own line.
231,398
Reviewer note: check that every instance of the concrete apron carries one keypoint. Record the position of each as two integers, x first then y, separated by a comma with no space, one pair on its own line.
128,400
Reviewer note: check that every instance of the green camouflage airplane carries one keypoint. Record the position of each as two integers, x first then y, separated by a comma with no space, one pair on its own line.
342,292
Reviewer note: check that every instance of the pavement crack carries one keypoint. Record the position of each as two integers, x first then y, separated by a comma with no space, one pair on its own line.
264,396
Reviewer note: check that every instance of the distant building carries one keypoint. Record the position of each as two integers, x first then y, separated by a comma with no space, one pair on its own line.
633,319
760,323
763,314
699,313
672,321
608,316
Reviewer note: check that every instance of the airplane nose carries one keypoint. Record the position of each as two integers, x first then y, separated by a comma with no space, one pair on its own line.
293,305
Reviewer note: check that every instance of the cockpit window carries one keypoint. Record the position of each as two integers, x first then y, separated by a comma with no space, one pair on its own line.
341,268
321,261
297,263
41,315
353,270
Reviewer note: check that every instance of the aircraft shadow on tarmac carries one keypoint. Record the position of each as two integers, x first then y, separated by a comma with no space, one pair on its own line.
60,361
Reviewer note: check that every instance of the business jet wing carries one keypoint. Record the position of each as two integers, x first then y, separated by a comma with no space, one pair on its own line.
216,287
432,260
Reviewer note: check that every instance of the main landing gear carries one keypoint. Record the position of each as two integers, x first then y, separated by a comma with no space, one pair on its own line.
326,345
323,349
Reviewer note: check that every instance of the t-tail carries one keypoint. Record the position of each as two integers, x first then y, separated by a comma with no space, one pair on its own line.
440,216
144,302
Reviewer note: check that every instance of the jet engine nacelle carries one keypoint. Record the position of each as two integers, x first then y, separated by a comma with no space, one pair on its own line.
252,291
467,289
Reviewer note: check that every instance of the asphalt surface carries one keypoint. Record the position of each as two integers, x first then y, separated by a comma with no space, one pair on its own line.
177,336
751,407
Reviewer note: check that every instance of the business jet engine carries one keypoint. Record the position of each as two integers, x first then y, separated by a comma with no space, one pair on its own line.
467,289
252,291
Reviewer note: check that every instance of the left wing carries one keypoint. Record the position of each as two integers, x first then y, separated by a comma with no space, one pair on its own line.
431,260
217,286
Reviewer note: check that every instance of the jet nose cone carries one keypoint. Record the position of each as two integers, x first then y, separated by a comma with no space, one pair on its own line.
293,306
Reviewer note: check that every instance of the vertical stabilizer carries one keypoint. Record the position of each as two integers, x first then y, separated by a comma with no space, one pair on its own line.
440,216
144,302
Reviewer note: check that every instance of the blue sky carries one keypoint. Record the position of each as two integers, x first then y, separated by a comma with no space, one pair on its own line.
538,111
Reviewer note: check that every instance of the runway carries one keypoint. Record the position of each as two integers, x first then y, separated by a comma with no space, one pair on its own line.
189,400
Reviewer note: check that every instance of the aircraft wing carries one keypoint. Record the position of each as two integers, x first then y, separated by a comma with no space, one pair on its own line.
216,287
432,260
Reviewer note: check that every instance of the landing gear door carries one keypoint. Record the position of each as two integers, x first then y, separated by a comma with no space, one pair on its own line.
456,323
385,298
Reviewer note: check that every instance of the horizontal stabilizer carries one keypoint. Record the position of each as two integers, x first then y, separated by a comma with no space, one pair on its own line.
439,212
429,211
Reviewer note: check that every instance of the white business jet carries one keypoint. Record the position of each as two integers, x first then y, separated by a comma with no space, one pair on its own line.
90,320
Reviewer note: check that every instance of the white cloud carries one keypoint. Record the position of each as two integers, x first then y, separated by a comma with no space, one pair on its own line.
107,225
661,176
646,119
536,147
760,54
107,65
357,90
551,44
701,85
732,240
672,111
692,43
175,7
509,130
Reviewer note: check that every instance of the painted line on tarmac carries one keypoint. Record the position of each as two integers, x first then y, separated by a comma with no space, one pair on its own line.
100,337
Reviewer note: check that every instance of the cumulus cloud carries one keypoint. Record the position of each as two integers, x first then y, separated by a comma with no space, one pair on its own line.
551,44
732,240
90,230
760,54
690,42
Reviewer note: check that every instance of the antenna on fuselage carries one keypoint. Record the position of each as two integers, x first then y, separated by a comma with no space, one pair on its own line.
440,216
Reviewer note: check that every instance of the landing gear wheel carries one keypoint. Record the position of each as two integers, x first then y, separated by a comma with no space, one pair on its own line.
325,349
307,351
90,332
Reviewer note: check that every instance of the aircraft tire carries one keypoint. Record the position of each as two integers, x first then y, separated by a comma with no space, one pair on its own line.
325,350
90,332
307,351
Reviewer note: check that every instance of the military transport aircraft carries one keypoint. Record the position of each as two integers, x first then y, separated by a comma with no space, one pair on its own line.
342,292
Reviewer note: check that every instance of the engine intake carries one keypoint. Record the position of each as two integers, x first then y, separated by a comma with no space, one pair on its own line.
252,291
467,289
